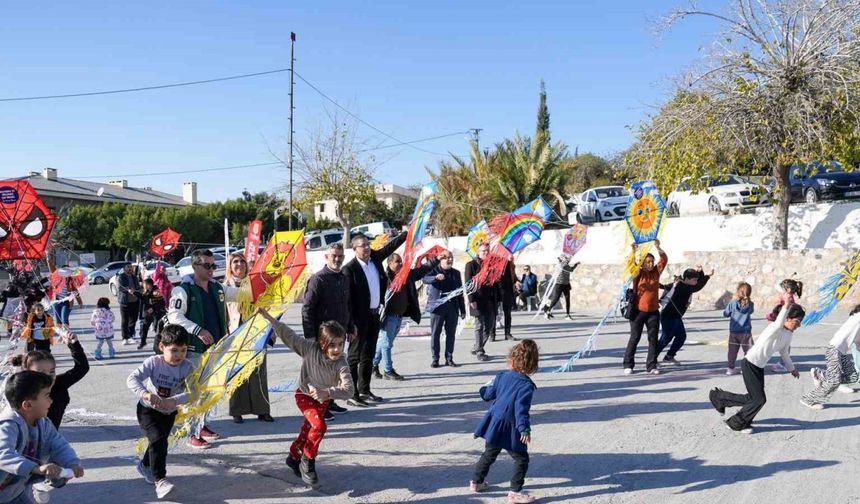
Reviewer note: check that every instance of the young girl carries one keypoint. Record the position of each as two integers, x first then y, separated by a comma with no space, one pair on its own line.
840,367
740,312
39,330
44,362
323,378
775,338
790,290
102,320
506,424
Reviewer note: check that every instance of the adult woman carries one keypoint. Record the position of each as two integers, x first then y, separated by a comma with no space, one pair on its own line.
646,289
252,398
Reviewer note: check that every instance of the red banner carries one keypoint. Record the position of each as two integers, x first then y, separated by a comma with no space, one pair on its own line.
252,243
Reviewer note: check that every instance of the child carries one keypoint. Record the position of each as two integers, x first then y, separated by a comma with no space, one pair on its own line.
775,338
323,378
672,316
740,312
506,424
102,320
157,383
790,288
44,362
39,329
152,308
32,453
840,367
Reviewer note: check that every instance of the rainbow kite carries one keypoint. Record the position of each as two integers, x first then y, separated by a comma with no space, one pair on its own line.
417,229
645,212
834,290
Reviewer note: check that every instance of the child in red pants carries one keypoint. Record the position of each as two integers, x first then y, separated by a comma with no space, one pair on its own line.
323,378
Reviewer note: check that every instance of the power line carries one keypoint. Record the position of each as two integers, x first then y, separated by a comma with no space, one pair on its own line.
362,121
414,141
145,88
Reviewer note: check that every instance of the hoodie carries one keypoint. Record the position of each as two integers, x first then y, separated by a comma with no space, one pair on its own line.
24,447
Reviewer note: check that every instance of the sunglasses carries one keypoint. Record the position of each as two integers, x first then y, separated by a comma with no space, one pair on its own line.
208,266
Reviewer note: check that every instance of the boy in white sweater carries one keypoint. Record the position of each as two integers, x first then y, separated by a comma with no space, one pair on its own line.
840,366
775,338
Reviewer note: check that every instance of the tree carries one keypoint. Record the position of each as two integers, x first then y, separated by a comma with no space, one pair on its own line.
401,212
543,112
588,170
780,88
331,167
531,168
463,193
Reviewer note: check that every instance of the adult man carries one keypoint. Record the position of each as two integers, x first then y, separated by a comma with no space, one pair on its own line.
327,298
129,302
440,282
482,304
198,305
529,289
402,303
508,288
367,285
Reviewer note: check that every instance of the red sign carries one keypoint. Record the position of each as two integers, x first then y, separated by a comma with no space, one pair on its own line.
252,243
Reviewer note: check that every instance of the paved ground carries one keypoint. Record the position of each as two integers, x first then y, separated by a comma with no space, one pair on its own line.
598,436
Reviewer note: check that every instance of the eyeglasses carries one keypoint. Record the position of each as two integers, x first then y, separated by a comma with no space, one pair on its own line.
207,266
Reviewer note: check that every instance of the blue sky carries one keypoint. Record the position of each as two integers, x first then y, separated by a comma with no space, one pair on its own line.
412,69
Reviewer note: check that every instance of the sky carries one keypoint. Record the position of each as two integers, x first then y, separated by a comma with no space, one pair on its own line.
410,69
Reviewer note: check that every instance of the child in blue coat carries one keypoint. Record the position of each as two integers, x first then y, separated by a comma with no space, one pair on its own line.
506,424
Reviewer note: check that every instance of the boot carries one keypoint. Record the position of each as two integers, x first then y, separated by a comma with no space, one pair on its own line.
309,471
376,373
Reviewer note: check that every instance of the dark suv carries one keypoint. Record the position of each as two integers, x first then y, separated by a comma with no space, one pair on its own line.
813,183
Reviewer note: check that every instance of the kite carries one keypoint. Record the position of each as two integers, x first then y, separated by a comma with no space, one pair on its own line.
273,279
574,239
417,229
164,242
224,367
479,233
645,212
78,280
380,241
834,290
25,221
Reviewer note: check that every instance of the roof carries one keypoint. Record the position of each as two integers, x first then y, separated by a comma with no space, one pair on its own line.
88,191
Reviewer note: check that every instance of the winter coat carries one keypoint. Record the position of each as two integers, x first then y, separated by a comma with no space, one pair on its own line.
508,416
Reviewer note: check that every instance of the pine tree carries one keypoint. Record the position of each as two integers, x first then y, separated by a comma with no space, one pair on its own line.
543,112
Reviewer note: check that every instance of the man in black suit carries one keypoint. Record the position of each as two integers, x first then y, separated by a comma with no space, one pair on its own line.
367,285
483,304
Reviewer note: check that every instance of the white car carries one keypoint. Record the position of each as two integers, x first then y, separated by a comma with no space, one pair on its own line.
719,195
600,204
184,266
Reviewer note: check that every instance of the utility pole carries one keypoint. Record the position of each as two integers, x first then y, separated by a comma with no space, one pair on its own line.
292,130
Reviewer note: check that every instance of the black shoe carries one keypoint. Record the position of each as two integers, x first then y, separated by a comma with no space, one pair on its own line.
309,471
140,347
712,396
370,397
483,357
434,364
265,418
294,465
451,363
392,376
328,416
376,373
335,408
358,402
473,352
510,337
238,419
493,338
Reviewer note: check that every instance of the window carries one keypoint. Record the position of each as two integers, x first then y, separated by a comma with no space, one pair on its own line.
333,238
315,242
685,186
591,197
322,207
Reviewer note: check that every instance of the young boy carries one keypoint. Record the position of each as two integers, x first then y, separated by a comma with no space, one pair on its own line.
157,383
672,316
39,330
775,338
32,453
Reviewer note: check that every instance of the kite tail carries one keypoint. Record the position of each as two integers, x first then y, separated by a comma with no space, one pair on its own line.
467,288
492,268
285,387
547,295
403,275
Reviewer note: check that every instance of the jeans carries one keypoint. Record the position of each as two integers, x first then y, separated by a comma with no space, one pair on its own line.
62,310
39,344
674,332
521,466
529,301
156,426
651,320
445,318
390,328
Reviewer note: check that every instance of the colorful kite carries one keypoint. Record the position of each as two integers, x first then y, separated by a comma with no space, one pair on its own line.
280,269
834,290
223,368
25,222
76,276
479,233
574,239
164,242
380,241
417,229
645,212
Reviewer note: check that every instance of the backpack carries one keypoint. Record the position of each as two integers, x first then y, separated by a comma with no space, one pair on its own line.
627,306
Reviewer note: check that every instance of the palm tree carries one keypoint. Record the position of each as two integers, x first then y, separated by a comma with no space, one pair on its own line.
530,168
463,193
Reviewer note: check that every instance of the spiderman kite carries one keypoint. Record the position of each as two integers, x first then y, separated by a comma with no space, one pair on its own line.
25,222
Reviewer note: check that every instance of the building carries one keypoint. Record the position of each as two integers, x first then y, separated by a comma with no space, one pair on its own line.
386,193
58,192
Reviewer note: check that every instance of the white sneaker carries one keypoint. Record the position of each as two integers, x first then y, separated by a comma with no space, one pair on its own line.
814,406
845,389
127,342
40,494
162,488
731,371
628,371
748,430
569,317
654,372
816,380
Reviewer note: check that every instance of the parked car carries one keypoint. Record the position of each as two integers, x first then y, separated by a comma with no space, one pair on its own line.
823,182
599,204
373,229
106,272
184,266
320,240
718,195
